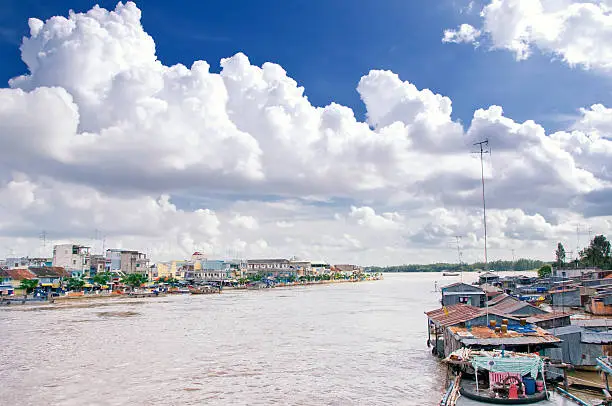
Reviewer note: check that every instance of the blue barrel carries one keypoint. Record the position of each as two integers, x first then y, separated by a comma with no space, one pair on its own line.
530,385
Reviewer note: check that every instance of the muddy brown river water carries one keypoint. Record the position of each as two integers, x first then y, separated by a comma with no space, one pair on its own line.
343,344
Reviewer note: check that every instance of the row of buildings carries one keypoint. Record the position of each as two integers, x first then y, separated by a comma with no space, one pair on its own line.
77,261
562,316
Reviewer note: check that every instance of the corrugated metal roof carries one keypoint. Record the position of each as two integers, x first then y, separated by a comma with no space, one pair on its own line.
561,331
594,337
603,322
498,299
512,305
455,314
487,336
547,316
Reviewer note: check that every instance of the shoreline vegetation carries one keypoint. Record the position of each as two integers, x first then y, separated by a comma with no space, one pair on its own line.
144,292
520,265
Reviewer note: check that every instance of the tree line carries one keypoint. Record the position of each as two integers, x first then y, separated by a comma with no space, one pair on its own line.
523,264
596,255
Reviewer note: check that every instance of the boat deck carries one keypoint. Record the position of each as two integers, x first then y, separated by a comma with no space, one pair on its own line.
468,389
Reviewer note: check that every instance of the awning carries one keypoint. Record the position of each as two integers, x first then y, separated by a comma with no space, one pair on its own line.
521,365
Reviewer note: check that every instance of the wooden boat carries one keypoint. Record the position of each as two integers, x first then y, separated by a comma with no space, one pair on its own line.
450,273
468,389
509,377
203,290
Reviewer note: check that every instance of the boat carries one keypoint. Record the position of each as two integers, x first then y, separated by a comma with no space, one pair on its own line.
204,290
450,273
498,377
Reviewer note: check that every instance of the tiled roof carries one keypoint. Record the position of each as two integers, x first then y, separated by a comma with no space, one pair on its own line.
50,272
17,274
455,314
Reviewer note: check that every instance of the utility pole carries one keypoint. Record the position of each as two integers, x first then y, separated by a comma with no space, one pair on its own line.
513,260
484,149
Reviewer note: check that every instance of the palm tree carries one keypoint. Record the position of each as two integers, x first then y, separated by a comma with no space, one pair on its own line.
28,285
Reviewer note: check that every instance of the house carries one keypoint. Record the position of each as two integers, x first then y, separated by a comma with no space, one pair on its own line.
600,304
346,269
50,278
461,325
512,306
73,258
550,320
320,267
10,279
26,262
488,277
463,293
97,264
126,261
581,346
521,338
271,267
565,296
568,272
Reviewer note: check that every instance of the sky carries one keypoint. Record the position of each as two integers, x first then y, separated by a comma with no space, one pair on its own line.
326,130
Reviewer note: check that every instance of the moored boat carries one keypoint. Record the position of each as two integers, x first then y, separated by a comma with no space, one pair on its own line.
450,273
499,377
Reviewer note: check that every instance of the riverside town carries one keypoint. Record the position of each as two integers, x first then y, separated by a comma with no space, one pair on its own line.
514,339
74,272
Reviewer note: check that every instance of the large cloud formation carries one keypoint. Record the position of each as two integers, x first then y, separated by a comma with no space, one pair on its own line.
101,138
577,31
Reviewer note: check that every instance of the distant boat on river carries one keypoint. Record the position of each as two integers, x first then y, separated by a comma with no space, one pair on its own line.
450,273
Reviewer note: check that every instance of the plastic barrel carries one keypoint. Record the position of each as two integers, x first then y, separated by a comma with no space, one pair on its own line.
539,386
530,386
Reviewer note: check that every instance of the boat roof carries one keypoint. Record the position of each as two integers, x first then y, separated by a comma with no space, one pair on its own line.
481,335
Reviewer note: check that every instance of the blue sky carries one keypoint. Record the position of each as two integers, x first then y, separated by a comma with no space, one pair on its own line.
327,45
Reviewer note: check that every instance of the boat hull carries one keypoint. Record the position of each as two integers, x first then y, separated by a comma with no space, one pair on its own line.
482,397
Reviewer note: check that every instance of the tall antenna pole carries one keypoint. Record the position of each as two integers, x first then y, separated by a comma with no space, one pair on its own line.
458,238
484,149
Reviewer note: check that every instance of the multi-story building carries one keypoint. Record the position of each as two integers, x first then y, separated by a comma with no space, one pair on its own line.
320,268
281,268
26,262
97,264
73,258
127,261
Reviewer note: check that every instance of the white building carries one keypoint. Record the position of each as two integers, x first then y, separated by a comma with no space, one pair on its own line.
73,258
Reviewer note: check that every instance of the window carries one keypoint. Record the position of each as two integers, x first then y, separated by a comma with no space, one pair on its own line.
74,262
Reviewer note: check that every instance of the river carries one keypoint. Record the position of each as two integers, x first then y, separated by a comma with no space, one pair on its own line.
341,344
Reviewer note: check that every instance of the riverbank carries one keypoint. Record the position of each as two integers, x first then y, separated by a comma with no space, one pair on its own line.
148,294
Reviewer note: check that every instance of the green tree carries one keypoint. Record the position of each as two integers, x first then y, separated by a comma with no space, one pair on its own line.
134,279
75,283
102,278
560,255
597,253
546,270
167,279
28,285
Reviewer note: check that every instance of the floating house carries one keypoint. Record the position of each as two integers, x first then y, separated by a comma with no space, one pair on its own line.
581,346
600,304
462,293
488,277
566,296
510,305
457,326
